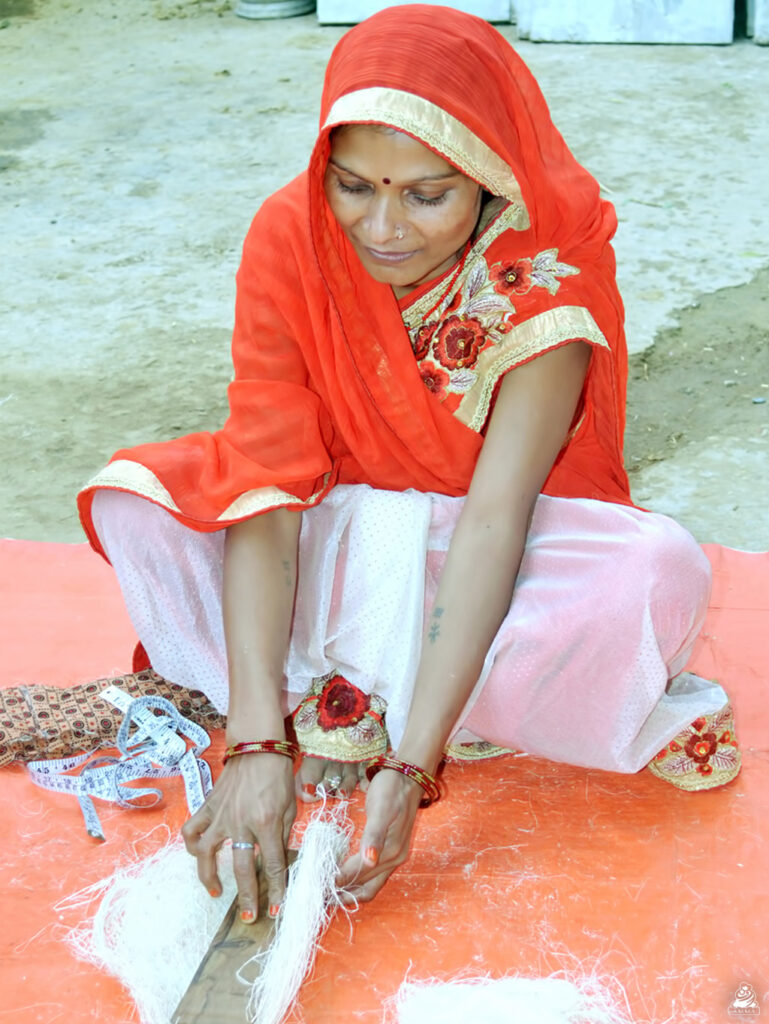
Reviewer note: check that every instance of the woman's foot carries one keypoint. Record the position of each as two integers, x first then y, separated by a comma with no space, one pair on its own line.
340,729
703,756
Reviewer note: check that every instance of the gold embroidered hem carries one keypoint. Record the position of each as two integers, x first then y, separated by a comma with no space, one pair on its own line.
704,756
125,475
480,750
338,722
51,721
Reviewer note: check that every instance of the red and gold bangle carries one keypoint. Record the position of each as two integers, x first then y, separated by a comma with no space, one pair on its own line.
284,747
427,781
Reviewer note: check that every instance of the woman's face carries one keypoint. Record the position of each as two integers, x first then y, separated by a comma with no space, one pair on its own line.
406,211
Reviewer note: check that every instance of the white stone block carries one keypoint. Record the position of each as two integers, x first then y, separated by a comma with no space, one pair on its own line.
627,21
348,12
758,21
522,13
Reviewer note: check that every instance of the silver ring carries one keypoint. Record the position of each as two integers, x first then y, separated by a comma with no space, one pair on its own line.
333,783
243,846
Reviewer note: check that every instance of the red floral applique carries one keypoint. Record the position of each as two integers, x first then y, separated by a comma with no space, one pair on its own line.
475,314
459,341
341,704
422,340
701,746
511,277
434,379
697,754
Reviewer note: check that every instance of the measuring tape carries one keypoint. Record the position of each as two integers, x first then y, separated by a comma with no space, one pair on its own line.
155,749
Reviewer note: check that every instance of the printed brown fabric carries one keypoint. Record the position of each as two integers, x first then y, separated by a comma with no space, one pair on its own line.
51,722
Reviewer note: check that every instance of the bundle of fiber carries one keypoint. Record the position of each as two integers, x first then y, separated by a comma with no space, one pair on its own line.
155,923
152,927
504,1000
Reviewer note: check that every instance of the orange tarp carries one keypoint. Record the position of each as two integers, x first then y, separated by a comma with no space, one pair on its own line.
525,867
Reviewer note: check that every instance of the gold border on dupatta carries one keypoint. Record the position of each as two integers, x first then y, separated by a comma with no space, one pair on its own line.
439,130
534,336
125,475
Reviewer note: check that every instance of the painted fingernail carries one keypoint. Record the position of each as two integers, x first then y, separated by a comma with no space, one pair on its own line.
372,854
274,909
247,916
309,788
214,893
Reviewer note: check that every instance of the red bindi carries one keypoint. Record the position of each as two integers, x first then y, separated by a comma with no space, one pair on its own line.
385,181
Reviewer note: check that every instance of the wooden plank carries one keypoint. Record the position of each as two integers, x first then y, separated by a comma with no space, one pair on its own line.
215,996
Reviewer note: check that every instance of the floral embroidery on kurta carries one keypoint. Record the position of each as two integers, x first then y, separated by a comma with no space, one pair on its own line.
464,339
517,277
482,313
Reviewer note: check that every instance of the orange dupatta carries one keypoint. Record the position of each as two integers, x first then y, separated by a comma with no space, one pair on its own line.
327,388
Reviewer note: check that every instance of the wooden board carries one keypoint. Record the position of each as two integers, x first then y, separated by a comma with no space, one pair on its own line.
215,996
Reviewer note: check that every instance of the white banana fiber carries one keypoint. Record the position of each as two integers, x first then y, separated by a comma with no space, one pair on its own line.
310,902
506,1000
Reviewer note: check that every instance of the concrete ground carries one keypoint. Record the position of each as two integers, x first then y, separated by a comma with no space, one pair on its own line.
137,138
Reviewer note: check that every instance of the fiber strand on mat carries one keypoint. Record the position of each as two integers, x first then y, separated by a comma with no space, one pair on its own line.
310,902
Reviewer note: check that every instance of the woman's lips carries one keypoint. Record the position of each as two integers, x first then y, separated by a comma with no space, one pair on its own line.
389,257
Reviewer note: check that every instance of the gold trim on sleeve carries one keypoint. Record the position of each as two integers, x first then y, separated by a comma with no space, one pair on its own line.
437,129
534,336
125,475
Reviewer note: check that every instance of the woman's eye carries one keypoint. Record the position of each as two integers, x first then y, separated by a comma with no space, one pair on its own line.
356,190
429,200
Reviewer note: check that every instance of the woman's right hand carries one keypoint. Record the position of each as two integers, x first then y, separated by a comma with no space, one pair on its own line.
252,801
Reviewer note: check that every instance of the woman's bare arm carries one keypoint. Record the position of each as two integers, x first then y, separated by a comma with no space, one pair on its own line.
257,604
253,799
531,418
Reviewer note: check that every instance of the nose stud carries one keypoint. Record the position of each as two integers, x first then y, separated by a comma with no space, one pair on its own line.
398,231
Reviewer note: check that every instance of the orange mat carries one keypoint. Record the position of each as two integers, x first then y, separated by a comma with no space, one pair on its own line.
525,866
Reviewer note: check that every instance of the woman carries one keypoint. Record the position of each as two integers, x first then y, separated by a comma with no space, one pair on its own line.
429,389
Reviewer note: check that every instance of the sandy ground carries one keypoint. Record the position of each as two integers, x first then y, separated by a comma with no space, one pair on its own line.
137,138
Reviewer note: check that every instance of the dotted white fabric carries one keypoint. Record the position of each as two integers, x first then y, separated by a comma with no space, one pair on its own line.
608,603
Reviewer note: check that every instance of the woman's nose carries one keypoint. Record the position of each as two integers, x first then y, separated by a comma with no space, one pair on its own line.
381,220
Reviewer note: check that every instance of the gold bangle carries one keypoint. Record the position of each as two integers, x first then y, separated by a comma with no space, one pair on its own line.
423,778
284,747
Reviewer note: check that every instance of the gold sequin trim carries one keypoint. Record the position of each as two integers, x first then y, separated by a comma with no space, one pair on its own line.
479,750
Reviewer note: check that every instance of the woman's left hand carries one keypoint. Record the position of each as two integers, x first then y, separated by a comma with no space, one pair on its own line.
392,801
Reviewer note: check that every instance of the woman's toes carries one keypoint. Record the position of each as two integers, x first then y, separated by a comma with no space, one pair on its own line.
332,778
317,777
349,780
311,772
